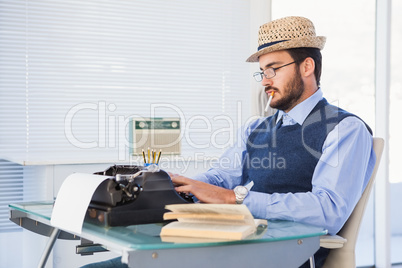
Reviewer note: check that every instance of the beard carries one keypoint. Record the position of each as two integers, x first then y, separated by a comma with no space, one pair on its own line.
291,93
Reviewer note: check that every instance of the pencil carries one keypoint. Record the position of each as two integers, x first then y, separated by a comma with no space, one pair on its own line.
269,101
159,156
143,155
149,159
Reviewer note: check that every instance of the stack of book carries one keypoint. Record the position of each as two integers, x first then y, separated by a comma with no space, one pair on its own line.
216,221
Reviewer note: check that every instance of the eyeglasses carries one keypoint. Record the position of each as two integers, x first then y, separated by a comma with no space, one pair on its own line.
268,73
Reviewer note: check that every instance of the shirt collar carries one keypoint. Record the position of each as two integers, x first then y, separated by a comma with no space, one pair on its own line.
300,112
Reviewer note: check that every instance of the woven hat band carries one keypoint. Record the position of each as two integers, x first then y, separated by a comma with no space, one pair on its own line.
270,44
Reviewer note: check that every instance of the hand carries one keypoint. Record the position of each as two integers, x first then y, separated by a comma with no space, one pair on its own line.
206,193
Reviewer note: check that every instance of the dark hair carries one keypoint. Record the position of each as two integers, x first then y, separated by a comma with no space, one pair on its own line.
301,53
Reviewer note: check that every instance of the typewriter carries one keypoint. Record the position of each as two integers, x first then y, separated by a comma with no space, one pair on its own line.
132,195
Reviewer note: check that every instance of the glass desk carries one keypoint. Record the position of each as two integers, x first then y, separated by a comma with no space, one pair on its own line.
281,244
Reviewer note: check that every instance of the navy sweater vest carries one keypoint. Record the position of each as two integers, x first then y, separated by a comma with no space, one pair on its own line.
282,160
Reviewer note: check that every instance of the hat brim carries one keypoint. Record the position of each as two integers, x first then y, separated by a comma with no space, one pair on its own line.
315,42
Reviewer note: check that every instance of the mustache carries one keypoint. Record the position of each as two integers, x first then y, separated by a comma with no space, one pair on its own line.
270,88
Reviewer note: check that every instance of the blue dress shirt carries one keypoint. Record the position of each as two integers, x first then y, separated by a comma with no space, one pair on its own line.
339,178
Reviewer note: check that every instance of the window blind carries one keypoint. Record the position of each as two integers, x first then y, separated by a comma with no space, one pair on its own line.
11,191
72,73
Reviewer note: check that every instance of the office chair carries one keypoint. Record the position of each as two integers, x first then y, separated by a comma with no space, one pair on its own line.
343,245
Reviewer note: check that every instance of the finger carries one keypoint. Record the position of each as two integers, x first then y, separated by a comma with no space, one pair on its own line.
181,180
173,174
183,188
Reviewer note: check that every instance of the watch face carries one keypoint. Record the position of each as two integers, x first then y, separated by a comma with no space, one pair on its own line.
241,193
242,190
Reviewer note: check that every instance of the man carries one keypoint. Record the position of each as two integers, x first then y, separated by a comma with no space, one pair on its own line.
311,161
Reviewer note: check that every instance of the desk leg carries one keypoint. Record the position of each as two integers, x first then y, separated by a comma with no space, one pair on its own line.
45,255
312,262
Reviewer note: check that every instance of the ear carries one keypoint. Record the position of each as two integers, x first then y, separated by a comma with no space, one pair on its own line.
307,67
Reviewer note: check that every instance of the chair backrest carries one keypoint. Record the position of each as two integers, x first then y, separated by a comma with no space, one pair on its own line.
345,257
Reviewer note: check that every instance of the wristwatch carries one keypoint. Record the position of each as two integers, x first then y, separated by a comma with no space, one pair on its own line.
240,192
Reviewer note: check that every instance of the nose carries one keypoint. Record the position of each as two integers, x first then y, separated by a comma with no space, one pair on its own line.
266,82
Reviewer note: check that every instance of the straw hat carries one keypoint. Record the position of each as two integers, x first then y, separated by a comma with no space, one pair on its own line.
288,32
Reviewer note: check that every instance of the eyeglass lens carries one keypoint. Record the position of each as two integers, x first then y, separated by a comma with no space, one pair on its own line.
269,73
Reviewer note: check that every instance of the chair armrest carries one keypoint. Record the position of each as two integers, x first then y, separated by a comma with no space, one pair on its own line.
332,241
